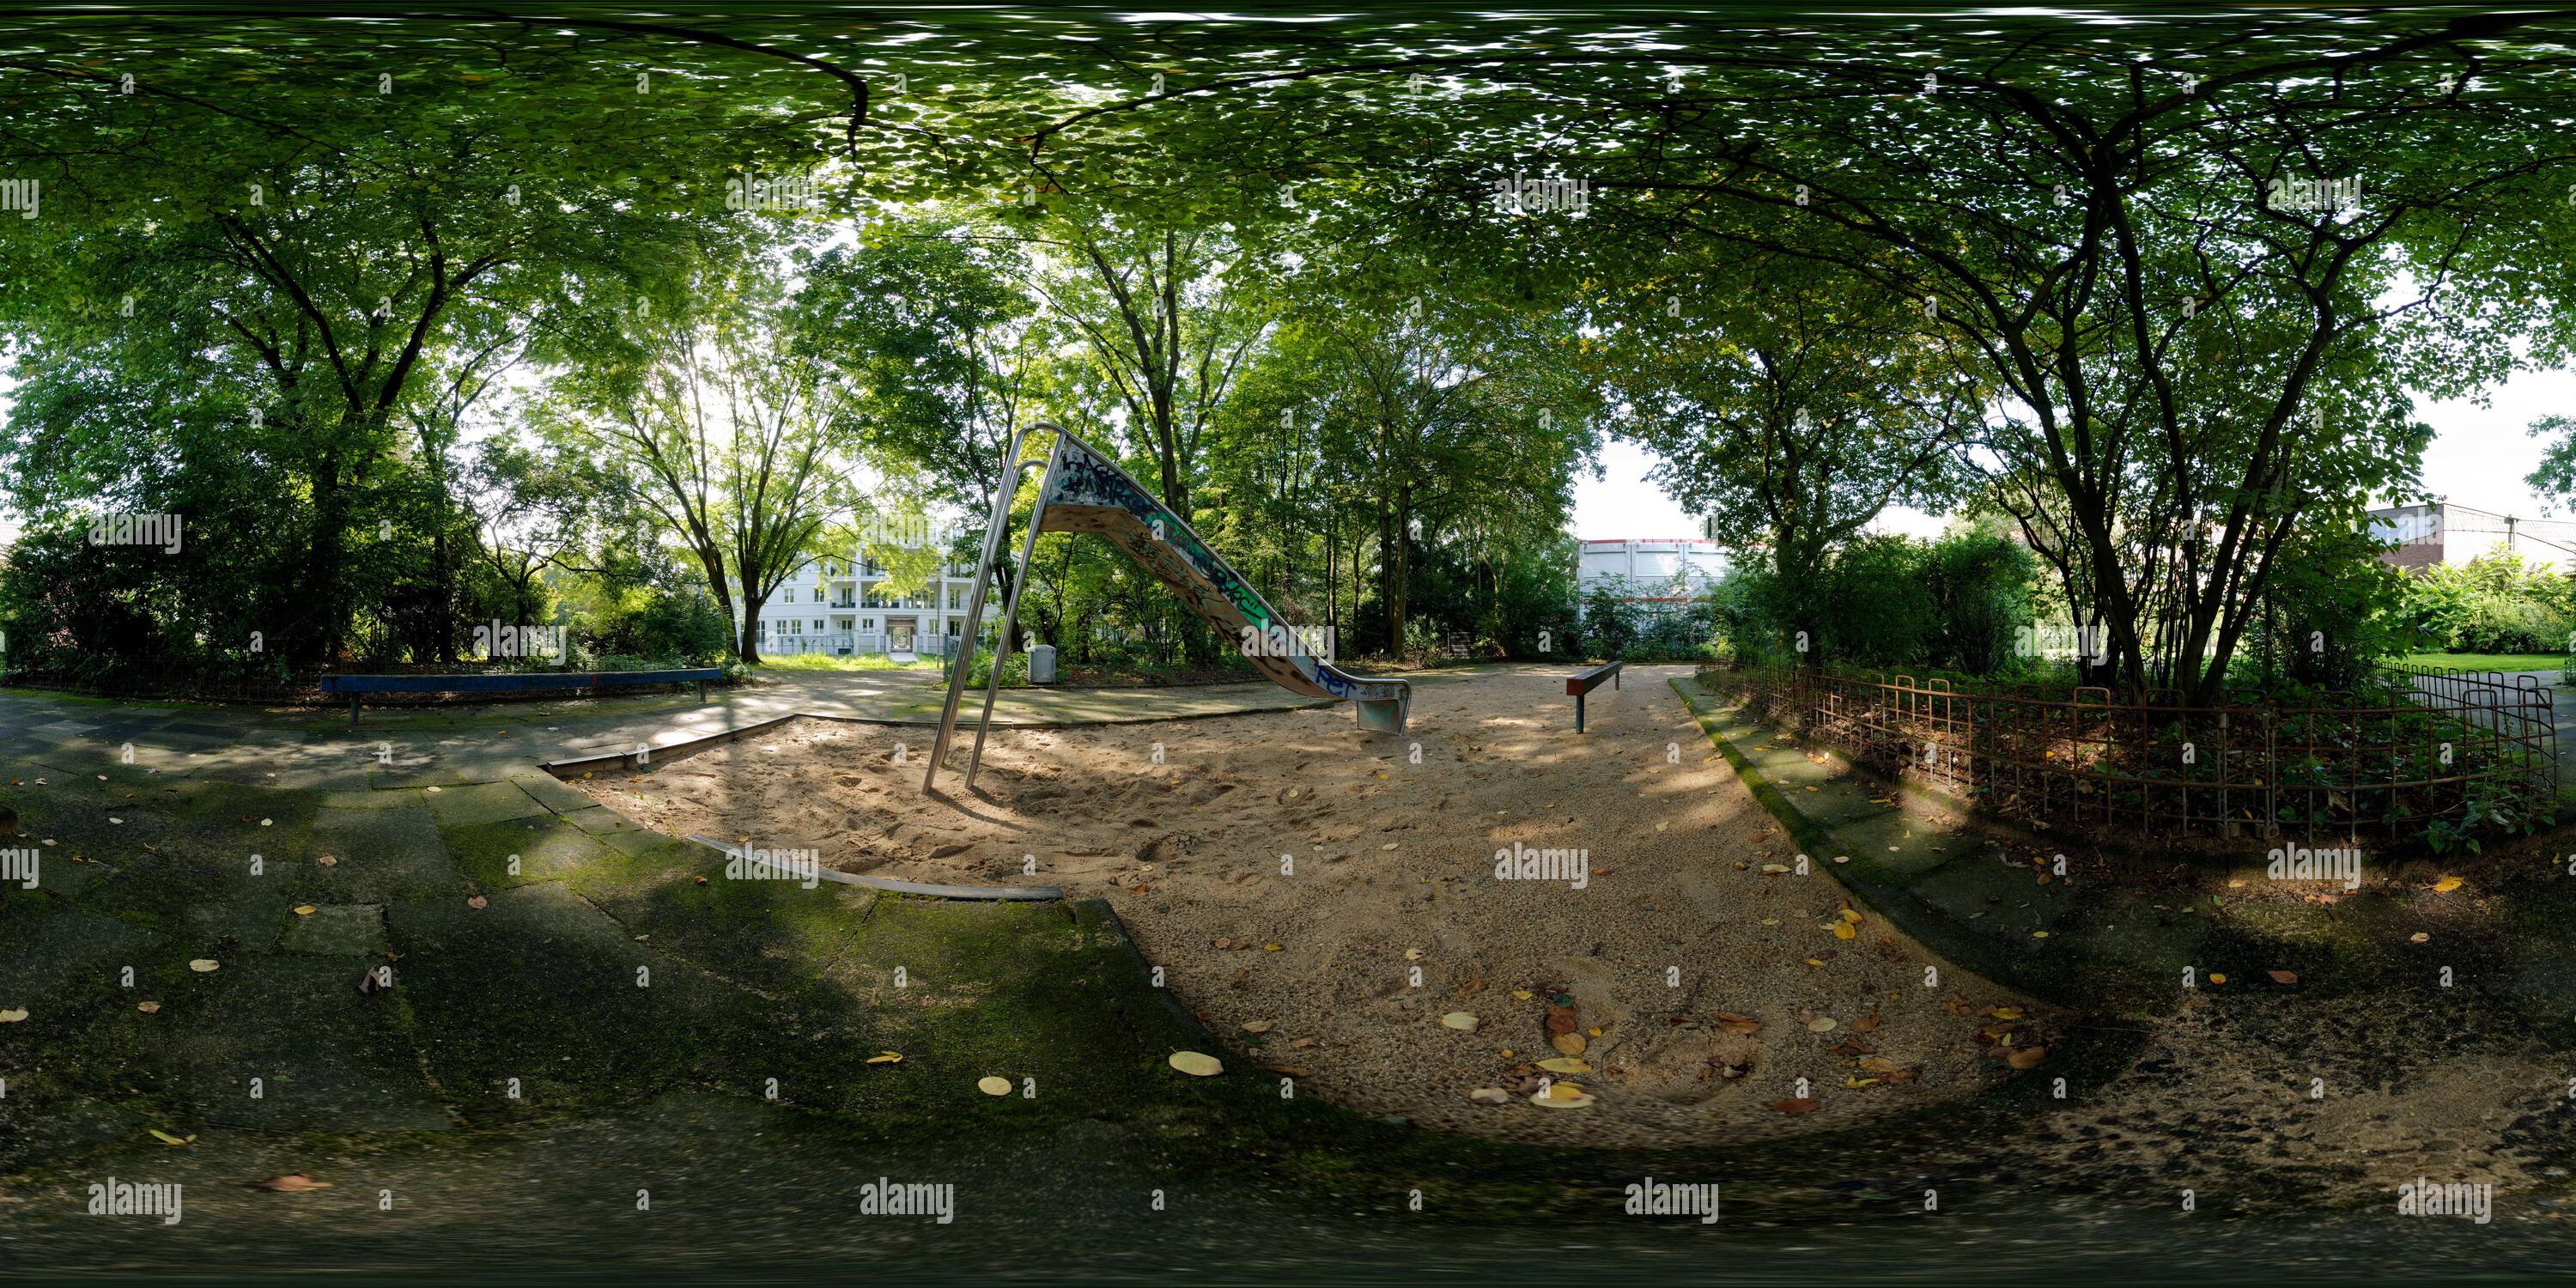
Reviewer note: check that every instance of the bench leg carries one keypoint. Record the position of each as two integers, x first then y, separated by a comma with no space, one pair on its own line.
353,711
1578,713
702,693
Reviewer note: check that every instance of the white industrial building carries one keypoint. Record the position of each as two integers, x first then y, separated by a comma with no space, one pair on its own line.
1658,573
838,605
2425,534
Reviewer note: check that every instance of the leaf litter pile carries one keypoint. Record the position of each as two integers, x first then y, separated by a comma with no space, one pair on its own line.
1295,877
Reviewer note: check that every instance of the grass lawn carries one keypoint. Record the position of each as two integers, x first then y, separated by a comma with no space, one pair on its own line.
2488,661
854,662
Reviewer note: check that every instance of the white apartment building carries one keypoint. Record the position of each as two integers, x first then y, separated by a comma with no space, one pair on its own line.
1659,573
836,604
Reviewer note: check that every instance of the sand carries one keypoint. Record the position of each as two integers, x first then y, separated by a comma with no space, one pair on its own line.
1338,891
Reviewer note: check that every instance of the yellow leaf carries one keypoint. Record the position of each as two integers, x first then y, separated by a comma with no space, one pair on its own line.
890,1057
166,1138
203,964
1197,1064
1565,1064
14,1016
1843,930
2447,885
993,1086
2007,1013
305,910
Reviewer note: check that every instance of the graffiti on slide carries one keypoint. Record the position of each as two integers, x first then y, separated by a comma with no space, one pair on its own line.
1085,480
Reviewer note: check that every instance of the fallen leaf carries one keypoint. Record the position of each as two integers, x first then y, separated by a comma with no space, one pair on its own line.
2026,1057
1413,954
204,964
148,1008
1843,930
1562,1095
17,1016
328,861
1256,1026
2418,937
2283,976
305,910
2006,1013
1865,1023
1270,948
889,1057
1801,1105
1490,1096
1565,1064
291,1183
1567,1043
993,1086
1522,993
1821,1024
2447,885
1743,1026
1197,1064
1459,1020
478,901
2216,978
168,1139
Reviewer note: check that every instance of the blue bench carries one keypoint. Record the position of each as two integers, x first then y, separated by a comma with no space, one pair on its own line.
510,682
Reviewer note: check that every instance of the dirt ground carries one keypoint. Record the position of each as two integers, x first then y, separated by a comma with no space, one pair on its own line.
1294,874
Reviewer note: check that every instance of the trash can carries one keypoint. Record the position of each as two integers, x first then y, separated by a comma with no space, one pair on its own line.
1042,664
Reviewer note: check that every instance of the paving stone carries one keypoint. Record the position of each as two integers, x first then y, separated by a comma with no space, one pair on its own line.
326,1056
383,854
482,803
338,930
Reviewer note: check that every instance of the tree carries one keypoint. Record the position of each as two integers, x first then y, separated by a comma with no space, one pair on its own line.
1792,410
729,430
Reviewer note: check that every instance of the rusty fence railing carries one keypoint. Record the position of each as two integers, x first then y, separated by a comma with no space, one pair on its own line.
2389,763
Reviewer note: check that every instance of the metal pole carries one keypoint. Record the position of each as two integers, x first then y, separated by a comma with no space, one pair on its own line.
1011,612
975,600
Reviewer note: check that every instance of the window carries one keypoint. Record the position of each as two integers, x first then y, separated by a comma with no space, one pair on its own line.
952,625
869,623
793,627
818,623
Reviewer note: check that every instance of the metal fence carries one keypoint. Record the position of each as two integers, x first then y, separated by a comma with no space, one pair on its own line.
2392,762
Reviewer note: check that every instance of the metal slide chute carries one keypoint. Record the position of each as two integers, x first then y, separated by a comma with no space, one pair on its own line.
1084,491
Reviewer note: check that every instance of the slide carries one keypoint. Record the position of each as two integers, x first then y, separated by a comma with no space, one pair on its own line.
1087,492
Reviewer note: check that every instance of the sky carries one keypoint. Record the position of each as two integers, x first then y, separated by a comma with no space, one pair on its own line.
2478,458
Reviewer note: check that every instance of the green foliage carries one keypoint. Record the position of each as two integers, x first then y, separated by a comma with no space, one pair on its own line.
2333,611
2496,603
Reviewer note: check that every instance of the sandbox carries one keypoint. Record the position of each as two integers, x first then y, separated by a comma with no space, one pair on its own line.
1323,898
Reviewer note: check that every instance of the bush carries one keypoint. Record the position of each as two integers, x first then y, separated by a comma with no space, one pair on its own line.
2495,624
2493,604
1983,588
1877,607
650,622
